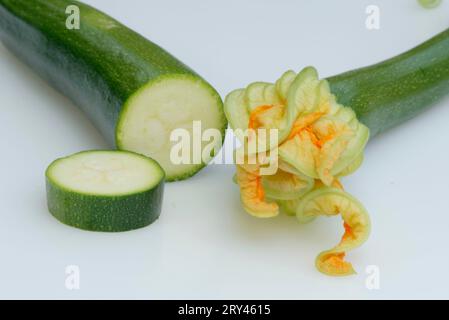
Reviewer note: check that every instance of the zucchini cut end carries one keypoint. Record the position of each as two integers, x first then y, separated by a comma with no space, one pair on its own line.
174,102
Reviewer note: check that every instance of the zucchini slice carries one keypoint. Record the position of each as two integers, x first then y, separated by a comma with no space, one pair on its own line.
134,92
105,190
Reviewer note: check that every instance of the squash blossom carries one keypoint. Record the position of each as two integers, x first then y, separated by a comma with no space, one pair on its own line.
318,142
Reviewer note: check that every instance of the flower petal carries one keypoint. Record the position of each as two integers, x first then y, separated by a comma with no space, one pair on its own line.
329,202
252,194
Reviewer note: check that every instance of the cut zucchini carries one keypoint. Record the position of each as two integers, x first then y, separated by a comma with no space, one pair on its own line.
105,190
151,114
133,91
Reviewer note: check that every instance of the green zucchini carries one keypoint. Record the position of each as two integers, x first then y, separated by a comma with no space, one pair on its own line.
388,93
134,92
324,126
105,190
429,4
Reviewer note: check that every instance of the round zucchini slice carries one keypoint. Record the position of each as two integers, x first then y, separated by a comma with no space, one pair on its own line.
108,191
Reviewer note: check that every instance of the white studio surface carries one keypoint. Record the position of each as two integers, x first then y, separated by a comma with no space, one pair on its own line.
204,245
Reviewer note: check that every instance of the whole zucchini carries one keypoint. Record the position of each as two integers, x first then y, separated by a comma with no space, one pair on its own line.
135,92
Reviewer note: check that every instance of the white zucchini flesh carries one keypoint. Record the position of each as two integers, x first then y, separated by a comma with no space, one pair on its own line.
151,115
106,173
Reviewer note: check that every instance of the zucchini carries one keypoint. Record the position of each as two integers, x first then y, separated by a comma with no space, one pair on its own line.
388,93
105,190
324,126
133,91
429,4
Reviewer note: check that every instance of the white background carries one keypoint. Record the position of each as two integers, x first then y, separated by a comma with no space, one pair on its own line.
204,245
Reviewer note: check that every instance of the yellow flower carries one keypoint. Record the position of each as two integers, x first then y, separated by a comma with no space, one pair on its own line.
318,141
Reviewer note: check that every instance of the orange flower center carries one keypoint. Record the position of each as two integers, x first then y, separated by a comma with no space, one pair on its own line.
253,117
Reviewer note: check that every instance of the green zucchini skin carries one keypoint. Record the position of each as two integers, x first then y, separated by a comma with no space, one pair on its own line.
99,67
388,93
104,213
